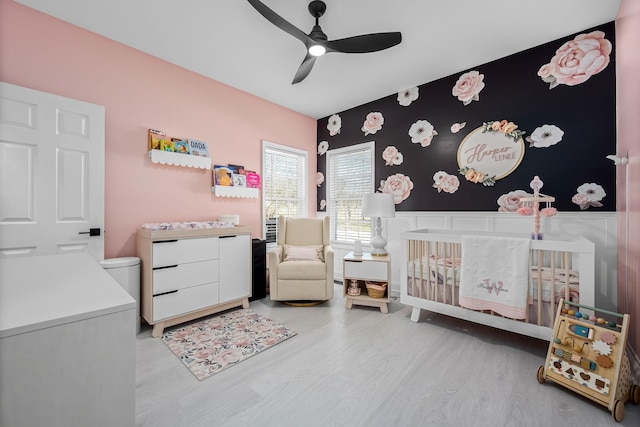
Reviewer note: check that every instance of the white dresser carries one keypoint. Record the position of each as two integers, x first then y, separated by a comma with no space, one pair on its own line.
67,344
192,273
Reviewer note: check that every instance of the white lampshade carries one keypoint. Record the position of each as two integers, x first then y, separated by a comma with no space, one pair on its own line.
378,205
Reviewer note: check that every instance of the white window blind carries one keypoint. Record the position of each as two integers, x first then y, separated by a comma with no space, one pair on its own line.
349,176
284,184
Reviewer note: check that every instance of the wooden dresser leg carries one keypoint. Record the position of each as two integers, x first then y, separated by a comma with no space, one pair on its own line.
384,308
245,303
158,328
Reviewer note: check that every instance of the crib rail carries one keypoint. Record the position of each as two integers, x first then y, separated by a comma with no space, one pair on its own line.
558,269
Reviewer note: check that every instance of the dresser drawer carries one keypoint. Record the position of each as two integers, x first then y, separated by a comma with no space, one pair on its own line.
184,275
184,301
366,270
172,252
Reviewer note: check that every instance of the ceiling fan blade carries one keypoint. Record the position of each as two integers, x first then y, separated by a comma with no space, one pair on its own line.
280,22
305,68
364,43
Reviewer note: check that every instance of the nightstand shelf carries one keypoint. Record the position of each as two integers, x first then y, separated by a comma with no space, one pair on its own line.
366,267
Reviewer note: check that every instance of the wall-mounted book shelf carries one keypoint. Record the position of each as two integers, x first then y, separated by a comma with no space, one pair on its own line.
241,192
179,159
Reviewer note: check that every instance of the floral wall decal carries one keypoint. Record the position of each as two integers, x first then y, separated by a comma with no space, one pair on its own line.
510,202
445,182
572,136
334,125
319,178
422,132
323,204
456,127
398,185
468,87
392,156
373,123
407,96
577,60
323,146
510,129
545,136
589,195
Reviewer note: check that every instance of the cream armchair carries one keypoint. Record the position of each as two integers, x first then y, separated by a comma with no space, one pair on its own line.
301,265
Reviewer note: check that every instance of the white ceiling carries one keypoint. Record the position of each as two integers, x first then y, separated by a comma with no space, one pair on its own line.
229,41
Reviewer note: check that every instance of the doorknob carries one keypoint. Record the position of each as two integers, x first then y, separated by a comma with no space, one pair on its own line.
91,232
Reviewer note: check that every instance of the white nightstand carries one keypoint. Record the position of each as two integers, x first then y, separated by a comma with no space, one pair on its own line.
366,267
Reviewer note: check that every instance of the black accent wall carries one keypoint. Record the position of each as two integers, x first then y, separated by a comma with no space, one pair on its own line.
513,90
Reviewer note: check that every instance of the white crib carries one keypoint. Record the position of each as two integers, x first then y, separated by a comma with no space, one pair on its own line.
560,267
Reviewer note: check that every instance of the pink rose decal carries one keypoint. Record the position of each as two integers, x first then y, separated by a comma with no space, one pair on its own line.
398,185
577,60
422,132
319,178
456,127
589,194
468,87
510,202
373,123
445,182
392,156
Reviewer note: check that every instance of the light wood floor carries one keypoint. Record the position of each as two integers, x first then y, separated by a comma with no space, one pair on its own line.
360,367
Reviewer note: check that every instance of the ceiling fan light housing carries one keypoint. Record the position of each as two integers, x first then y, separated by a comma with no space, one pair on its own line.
317,50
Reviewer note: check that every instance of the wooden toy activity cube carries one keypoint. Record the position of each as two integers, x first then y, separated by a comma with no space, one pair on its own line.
587,355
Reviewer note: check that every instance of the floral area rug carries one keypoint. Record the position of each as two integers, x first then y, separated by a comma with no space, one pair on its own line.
215,344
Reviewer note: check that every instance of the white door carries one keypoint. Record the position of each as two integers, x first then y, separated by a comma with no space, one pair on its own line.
51,174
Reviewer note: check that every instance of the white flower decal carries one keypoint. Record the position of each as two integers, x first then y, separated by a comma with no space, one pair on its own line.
545,136
468,87
323,204
334,125
323,146
319,179
422,132
445,182
510,202
373,123
398,185
407,96
589,195
392,156
456,127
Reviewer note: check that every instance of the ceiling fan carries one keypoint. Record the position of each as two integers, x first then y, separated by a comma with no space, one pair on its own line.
317,42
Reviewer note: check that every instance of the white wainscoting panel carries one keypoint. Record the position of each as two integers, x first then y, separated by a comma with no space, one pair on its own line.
599,227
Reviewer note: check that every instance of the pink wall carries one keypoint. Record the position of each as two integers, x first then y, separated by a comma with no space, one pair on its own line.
139,92
628,91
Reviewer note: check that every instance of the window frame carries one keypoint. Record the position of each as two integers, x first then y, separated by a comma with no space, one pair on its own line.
330,154
304,201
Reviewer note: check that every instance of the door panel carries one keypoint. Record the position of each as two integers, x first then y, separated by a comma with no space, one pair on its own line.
51,173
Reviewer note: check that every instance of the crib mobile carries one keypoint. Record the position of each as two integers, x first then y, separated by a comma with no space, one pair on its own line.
531,206
587,355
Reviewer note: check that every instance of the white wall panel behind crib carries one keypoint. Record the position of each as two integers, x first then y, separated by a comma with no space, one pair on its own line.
599,227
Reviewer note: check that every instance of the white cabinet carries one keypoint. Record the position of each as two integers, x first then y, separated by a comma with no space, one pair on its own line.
192,273
67,344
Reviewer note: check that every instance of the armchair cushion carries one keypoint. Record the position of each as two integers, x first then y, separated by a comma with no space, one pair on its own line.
303,253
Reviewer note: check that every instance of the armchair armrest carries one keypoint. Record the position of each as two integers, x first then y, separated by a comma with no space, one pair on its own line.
274,257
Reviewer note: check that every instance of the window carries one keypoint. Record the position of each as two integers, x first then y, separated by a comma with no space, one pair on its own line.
349,176
284,185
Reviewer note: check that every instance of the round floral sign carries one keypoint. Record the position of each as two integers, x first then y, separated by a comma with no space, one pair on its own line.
491,152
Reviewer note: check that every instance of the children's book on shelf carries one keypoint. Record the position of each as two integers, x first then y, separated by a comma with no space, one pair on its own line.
239,180
222,175
158,140
253,179
198,148
181,146
236,169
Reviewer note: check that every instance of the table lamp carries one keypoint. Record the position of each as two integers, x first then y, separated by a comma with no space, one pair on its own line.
378,205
